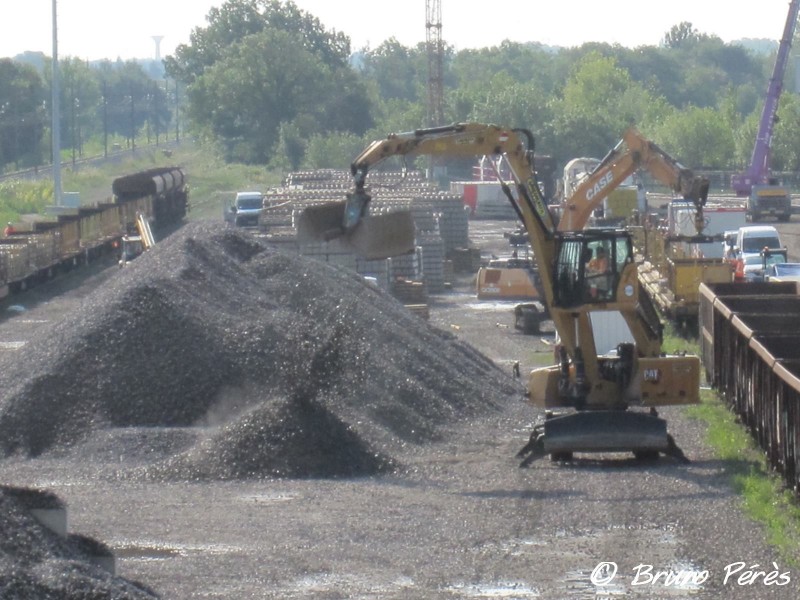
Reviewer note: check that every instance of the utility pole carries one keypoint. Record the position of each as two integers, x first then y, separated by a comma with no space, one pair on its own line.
55,113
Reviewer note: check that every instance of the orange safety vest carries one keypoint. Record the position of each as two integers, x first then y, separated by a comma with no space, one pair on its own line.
738,271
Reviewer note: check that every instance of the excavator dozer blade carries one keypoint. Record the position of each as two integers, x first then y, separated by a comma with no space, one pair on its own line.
374,237
643,434
605,431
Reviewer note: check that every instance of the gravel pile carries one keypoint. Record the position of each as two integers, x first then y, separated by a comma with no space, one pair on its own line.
35,563
291,367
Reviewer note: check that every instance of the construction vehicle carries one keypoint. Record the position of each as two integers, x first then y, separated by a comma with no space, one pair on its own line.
621,201
514,279
766,195
633,152
134,244
608,403
507,279
674,264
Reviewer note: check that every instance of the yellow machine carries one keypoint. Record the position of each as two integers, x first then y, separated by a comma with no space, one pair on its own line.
672,281
607,403
633,152
507,279
132,245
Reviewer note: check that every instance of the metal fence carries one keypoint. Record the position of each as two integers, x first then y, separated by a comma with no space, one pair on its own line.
46,171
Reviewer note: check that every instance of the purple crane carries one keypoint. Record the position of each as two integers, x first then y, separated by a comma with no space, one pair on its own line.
758,172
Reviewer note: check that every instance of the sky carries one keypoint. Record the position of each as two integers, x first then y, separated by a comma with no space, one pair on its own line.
96,29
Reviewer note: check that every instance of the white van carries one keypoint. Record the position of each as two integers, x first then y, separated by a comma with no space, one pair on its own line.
754,238
245,209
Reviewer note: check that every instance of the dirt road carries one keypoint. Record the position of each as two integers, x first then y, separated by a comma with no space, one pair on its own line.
459,518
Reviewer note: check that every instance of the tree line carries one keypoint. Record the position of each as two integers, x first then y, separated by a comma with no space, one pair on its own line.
101,106
267,83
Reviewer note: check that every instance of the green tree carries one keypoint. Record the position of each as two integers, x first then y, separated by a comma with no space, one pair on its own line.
263,80
335,150
128,100
21,114
80,99
507,102
701,137
599,101
396,70
261,64
785,149
234,20
681,34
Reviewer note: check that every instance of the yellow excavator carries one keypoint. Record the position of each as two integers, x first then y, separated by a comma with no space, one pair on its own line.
632,153
592,403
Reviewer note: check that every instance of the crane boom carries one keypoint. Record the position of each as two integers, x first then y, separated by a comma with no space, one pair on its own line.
759,170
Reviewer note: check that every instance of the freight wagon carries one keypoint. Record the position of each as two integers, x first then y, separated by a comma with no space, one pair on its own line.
67,237
749,335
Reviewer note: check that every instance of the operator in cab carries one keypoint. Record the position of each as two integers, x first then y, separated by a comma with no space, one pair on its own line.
597,274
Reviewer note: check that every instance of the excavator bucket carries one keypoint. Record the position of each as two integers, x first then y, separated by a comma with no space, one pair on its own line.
643,434
372,237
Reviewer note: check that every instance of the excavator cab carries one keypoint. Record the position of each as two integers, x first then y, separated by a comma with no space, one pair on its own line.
589,267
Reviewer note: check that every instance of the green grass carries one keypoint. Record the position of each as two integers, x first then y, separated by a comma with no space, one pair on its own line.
210,180
764,497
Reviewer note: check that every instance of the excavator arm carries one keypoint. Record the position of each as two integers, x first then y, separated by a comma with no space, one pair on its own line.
600,389
632,153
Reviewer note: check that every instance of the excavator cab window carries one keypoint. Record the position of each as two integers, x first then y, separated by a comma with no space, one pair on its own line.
588,267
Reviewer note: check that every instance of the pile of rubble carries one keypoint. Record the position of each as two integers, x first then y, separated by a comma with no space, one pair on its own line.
289,366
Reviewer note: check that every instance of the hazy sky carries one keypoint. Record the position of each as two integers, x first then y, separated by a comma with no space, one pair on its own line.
94,29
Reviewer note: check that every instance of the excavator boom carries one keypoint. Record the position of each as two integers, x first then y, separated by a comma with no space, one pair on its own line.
632,153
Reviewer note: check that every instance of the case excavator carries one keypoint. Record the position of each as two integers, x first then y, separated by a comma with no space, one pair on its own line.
593,403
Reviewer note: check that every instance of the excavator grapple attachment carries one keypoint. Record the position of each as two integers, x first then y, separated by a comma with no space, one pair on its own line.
643,434
373,236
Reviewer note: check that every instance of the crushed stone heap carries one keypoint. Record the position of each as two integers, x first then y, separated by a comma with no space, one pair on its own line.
289,367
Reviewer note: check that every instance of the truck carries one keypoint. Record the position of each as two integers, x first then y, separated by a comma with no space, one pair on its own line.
766,196
676,262
769,200
756,267
756,248
591,402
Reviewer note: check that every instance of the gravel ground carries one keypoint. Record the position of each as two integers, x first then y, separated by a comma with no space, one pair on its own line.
235,423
